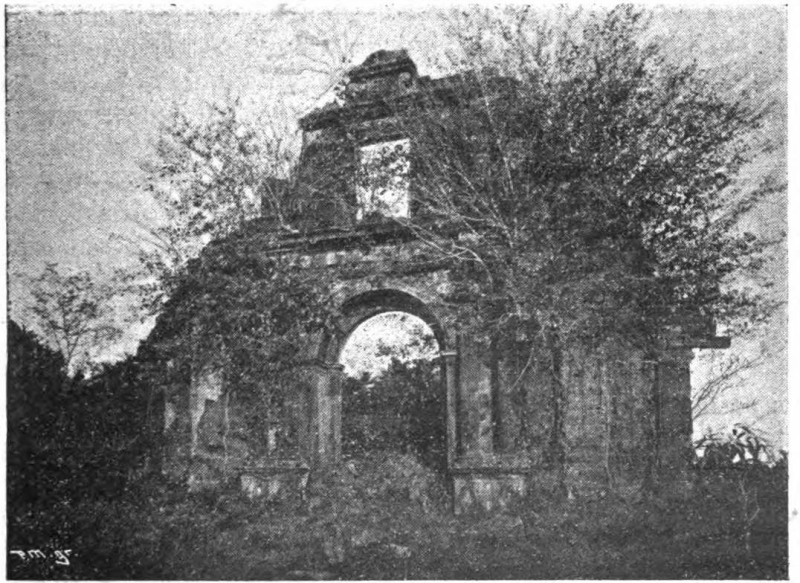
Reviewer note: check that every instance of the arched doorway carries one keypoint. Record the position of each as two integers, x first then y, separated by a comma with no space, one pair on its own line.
331,379
394,398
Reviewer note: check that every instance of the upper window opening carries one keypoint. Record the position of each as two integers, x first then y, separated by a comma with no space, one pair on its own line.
382,186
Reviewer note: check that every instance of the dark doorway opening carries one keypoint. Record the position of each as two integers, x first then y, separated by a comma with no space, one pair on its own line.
393,398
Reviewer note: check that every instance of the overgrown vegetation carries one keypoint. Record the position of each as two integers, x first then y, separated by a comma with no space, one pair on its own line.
593,184
207,178
376,526
74,443
383,515
71,438
590,200
402,410
76,313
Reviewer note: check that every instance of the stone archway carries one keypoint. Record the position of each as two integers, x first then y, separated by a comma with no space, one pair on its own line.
326,372
363,306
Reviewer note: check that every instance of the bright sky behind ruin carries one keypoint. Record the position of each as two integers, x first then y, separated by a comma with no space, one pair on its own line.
86,93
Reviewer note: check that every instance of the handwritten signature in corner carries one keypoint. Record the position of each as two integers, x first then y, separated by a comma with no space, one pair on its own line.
61,556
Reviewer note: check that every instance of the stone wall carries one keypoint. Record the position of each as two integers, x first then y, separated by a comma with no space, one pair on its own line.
505,420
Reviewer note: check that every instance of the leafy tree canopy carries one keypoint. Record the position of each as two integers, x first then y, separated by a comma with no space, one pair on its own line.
208,177
590,180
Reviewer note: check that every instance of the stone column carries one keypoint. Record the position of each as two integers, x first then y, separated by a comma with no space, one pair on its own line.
475,399
449,370
323,382
335,385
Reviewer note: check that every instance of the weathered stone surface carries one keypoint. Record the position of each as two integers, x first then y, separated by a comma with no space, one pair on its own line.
251,486
487,492
273,484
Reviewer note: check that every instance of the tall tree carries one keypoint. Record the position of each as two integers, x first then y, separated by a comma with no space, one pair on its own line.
208,177
593,184
215,170
75,313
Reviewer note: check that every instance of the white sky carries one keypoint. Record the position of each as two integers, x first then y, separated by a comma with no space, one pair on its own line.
398,332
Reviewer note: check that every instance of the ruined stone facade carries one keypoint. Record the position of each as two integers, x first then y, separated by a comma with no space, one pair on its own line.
499,443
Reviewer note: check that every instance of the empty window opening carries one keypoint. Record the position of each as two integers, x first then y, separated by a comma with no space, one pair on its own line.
382,185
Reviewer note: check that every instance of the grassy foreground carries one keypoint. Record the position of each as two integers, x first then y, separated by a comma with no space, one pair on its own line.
730,524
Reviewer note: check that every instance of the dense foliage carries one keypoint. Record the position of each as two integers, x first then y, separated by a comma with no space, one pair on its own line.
250,315
71,437
34,382
73,444
208,177
354,533
593,186
589,176
402,410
